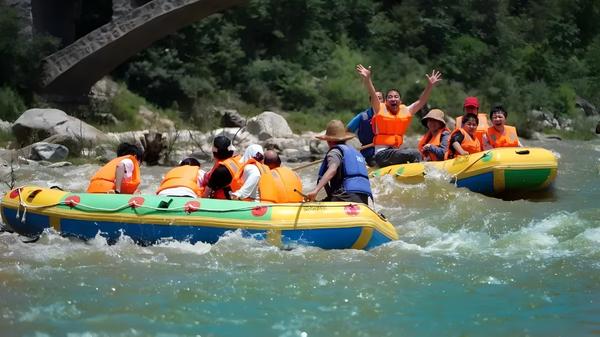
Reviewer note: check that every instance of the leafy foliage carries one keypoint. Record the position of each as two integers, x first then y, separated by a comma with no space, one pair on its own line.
299,56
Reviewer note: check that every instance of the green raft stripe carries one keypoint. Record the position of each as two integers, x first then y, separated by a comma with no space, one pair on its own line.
523,179
213,208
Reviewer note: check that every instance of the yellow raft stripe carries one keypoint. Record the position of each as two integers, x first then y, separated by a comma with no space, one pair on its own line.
55,223
274,237
363,238
499,183
304,223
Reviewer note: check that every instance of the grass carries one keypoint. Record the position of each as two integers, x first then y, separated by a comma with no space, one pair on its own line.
6,138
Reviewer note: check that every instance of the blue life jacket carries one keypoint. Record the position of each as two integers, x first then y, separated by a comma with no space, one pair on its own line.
365,132
354,171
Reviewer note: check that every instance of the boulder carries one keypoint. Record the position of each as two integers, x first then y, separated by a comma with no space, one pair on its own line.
37,124
279,144
152,120
105,152
268,125
104,90
230,118
588,108
75,147
543,119
48,152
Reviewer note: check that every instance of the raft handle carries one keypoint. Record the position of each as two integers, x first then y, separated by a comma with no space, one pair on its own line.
522,152
32,195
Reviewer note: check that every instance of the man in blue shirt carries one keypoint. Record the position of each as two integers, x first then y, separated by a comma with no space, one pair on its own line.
361,126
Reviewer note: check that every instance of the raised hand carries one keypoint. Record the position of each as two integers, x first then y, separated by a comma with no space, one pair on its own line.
363,72
434,78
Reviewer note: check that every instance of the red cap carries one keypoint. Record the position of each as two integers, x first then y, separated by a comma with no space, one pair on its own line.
471,101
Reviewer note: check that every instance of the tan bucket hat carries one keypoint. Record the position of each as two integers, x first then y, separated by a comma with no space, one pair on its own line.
336,132
435,114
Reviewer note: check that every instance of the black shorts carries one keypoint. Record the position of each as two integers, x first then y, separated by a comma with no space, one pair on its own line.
389,157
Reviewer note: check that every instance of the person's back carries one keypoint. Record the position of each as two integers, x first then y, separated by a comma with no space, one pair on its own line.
254,182
286,182
218,180
120,175
185,180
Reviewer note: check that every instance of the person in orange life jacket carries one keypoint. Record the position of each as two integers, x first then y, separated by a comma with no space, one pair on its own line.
251,174
343,173
471,106
120,175
218,180
361,126
500,134
272,159
392,118
186,180
287,182
434,143
463,140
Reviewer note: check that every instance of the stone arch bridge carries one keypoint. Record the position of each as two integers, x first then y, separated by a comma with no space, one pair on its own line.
135,25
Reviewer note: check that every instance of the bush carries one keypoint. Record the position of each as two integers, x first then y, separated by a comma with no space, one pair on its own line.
342,88
11,104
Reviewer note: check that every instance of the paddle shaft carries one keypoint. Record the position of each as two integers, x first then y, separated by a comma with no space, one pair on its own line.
321,160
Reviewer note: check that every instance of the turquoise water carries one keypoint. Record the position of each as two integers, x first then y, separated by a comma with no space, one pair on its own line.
466,265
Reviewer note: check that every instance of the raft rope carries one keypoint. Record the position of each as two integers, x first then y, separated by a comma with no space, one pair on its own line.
25,205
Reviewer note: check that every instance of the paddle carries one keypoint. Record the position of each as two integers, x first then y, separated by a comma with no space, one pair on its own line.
321,160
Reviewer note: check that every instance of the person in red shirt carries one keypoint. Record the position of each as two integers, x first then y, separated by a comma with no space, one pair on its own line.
471,106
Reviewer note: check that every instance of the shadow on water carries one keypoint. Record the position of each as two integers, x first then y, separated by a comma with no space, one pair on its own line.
546,195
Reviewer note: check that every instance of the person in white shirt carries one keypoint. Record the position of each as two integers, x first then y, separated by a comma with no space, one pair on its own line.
251,174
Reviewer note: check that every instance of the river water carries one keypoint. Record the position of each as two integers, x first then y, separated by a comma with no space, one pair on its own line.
465,265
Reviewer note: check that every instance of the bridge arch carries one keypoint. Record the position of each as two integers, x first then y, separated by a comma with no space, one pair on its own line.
73,70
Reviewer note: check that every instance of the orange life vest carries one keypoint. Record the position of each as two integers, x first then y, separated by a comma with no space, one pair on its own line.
287,184
233,165
267,190
103,180
182,176
482,127
471,145
389,129
507,139
433,140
